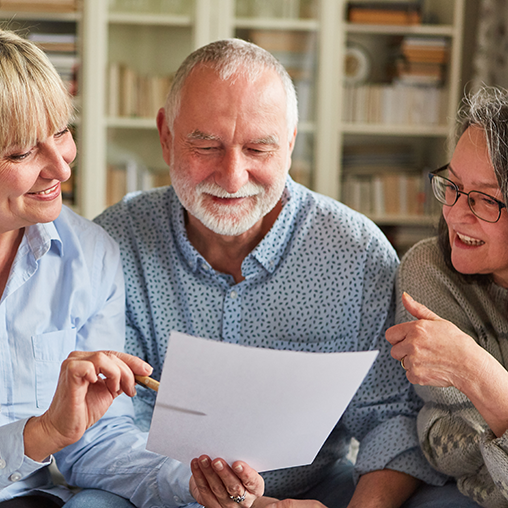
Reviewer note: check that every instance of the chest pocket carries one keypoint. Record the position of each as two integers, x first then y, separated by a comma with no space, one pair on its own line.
50,350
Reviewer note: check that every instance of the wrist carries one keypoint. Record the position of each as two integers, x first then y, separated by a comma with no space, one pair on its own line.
40,441
473,368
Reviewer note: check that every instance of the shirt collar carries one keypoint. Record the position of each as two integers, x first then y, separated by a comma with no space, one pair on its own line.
267,253
40,238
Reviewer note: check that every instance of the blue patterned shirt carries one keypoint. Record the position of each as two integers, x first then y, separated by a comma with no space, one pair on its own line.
320,280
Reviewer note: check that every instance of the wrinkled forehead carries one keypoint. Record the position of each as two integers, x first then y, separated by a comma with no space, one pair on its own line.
205,89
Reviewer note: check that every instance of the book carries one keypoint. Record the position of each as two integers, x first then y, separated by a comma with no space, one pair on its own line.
404,12
284,40
397,103
132,94
384,17
388,193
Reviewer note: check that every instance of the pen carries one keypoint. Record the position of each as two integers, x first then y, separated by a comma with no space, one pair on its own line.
148,382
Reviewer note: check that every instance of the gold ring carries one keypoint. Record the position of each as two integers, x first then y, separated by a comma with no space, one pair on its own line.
402,363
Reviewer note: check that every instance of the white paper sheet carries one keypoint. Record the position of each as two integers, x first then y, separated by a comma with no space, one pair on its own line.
272,409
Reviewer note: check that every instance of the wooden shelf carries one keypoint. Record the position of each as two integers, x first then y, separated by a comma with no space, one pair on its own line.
40,15
277,24
441,30
396,129
131,18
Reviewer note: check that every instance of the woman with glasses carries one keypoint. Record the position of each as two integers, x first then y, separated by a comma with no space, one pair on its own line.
452,336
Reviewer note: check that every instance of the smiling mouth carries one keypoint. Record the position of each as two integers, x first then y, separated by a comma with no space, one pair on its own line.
44,192
469,241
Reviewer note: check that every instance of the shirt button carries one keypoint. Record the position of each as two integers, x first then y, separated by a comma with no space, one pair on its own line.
177,500
233,294
205,268
15,477
2,464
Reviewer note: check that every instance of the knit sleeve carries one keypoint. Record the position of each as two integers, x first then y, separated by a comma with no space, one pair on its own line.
452,434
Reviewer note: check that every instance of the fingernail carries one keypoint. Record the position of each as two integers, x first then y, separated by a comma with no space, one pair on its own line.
204,462
408,295
219,466
238,468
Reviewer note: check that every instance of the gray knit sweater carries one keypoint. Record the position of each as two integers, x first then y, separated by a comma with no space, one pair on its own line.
453,435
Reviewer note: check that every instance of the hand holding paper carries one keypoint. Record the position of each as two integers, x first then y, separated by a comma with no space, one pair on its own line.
215,484
274,409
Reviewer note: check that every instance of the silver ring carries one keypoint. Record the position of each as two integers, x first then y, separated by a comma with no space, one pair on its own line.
239,499
402,362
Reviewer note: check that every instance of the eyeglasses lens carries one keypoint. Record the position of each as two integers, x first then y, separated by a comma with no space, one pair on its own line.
482,205
444,191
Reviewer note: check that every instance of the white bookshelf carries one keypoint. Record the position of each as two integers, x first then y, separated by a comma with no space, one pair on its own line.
160,41
429,142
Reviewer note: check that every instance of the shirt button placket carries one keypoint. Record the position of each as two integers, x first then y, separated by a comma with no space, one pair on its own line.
231,324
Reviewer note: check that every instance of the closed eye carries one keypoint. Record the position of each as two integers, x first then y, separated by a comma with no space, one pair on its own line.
18,157
62,133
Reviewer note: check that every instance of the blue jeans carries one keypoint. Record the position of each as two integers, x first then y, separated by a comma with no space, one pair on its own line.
89,498
336,491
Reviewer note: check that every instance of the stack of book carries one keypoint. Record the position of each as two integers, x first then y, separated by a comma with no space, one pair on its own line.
385,194
396,103
385,13
384,180
61,51
39,5
132,94
423,60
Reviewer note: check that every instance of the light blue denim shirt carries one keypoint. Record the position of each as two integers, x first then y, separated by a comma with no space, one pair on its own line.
320,280
66,292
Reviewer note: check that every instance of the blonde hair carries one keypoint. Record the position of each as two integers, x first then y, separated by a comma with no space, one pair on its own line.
34,103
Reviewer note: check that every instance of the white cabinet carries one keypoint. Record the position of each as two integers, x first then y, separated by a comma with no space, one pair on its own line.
148,39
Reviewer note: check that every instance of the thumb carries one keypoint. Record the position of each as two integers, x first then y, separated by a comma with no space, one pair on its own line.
418,310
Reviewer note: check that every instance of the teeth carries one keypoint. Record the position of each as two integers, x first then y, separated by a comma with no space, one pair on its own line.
44,192
470,241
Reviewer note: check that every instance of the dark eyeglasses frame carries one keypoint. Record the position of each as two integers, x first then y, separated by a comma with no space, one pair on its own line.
500,204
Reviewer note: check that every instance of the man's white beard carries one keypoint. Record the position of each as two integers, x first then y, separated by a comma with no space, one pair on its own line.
226,219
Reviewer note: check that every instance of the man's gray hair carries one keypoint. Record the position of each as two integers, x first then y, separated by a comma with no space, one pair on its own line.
488,109
230,57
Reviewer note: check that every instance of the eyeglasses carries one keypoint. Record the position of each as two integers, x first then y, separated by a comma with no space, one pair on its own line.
484,206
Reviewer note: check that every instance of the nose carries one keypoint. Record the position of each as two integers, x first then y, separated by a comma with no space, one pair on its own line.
460,212
57,155
232,173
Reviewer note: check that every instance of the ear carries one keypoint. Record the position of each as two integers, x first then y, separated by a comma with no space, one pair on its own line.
291,147
165,137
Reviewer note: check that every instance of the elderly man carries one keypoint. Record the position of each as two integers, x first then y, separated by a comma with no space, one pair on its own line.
236,251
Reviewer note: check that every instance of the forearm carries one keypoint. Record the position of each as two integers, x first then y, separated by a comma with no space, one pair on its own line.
485,382
383,489
112,456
